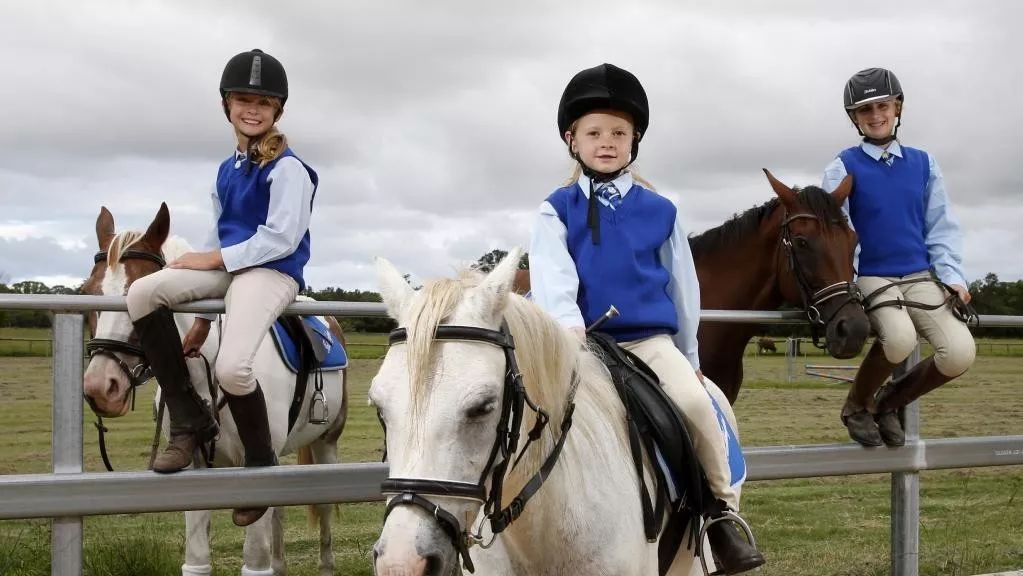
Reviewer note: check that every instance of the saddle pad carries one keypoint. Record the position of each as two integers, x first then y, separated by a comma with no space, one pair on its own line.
336,358
736,461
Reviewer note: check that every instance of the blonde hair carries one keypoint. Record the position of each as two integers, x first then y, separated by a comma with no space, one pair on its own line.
577,170
271,145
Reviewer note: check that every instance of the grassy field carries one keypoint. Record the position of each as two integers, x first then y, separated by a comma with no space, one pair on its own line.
971,520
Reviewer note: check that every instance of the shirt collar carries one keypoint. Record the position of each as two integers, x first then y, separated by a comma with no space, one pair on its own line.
623,183
875,151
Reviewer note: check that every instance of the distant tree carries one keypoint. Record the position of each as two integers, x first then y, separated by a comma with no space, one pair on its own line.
30,287
490,260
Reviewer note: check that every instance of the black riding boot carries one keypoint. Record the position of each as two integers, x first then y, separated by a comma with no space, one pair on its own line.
733,554
191,422
249,413
857,414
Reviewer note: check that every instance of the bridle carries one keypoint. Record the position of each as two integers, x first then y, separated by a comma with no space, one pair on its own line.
814,300
141,372
413,491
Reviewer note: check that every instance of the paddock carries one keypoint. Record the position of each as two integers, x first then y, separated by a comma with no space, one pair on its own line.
67,494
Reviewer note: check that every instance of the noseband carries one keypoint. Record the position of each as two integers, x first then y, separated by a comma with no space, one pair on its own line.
413,491
813,300
141,372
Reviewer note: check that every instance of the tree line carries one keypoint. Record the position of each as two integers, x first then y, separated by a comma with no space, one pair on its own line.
990,296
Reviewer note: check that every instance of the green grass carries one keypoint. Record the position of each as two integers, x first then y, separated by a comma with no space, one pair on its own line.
971,520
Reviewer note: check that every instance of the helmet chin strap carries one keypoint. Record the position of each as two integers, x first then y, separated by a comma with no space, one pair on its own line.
592,213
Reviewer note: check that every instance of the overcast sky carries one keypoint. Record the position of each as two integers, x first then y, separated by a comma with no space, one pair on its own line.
432,124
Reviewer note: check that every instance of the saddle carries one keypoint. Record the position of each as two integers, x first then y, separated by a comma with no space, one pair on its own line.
656,426
306,347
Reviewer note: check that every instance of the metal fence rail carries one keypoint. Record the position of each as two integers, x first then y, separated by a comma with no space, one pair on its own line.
68,494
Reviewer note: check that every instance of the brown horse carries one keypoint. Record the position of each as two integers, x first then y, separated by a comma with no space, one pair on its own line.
796,249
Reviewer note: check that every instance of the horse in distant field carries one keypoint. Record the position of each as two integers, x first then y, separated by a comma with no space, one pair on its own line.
473,368
765,344
117,366
796,249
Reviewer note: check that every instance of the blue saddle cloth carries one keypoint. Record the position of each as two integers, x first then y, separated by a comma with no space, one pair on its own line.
336,358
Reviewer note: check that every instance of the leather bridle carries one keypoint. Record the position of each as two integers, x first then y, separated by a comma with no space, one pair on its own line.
414,491
813,300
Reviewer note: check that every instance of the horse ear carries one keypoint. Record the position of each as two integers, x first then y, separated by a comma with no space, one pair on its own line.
496,286
158,230
841,194
104,228
785,194
394,289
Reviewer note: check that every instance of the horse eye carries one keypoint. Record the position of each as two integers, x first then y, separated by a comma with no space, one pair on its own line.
802,243
482,409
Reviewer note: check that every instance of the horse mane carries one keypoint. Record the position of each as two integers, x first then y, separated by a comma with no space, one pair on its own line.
816,201
173,248
550,359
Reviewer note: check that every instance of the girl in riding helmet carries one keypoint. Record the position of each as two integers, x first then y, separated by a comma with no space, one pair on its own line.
910,261
607,239
253,259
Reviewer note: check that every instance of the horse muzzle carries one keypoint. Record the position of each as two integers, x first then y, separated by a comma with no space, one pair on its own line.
847,332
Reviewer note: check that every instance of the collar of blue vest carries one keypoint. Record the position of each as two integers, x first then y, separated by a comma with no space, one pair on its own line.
875,151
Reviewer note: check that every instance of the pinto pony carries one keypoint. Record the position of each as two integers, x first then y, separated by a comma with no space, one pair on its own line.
117,365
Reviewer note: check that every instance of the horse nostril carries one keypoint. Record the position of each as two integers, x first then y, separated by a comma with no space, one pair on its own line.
841,330
111,387
434,564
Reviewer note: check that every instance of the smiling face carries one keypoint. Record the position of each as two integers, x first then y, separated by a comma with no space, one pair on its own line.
877,120
252,115
603,140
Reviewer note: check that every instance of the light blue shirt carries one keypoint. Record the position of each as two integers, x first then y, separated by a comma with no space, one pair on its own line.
555,282
943,236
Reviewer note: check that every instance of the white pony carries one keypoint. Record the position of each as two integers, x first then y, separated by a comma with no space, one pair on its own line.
441,397
108,386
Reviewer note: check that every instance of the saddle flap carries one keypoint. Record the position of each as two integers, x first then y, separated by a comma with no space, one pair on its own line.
314,335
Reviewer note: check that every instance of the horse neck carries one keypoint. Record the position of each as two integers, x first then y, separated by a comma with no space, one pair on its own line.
744,274
593,473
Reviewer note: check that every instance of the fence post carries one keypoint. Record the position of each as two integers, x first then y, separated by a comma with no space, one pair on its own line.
905,521
68,364
791,351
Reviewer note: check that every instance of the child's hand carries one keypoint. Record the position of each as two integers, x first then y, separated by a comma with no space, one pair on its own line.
196,337
963,293
212,260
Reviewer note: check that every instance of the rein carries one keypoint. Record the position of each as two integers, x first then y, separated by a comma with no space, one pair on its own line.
962,310
413,491
813,300
141,372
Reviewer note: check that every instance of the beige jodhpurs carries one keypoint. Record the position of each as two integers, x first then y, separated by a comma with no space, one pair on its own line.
954,349
682,385
254,298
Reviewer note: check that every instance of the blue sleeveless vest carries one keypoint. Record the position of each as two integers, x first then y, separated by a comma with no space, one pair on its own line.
887,207
625,268
245,200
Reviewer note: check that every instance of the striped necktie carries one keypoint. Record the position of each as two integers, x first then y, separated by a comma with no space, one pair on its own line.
608,192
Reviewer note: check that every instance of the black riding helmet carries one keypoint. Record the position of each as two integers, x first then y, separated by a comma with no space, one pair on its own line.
603,87
872,85
255,72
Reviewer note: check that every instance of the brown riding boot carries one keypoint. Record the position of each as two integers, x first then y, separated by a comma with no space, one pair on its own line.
191,422
733,554
249,413
923,378
856,414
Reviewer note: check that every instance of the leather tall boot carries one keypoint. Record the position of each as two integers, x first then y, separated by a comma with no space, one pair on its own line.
733,554
857,414
923,378
191,423
249,413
